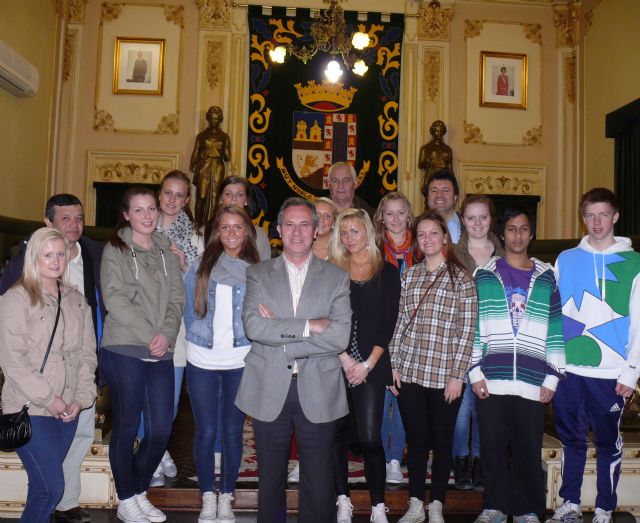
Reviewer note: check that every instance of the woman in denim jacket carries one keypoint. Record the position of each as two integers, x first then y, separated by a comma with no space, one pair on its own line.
216,347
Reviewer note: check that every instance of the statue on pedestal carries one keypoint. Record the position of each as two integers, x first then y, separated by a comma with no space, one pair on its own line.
435,155
211,150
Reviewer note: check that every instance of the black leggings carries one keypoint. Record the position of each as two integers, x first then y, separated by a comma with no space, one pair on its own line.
428,423
362,425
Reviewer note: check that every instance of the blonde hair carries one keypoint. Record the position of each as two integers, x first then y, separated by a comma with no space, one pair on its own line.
31,279
378,218
329,202
338,253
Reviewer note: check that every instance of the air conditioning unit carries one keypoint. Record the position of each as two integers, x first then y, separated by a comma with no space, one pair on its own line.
17,75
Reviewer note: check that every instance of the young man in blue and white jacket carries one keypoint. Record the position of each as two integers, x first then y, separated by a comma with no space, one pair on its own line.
517,361
599,283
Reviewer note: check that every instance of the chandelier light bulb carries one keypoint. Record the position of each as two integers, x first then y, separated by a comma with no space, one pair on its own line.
360,68
360,40
333,72
277,55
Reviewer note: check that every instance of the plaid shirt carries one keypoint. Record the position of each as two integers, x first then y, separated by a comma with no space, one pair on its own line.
437,344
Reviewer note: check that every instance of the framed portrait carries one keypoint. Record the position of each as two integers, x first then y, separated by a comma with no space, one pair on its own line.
503,80
138,66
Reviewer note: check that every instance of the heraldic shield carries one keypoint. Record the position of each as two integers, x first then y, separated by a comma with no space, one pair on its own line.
320,140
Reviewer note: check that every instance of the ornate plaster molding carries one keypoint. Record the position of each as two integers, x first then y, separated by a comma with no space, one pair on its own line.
175,14
513,184
588,21
432,74
472,133
533,32
76,11
169,124
533,136
472,28
110,12
214,14
102,120
433,21
129,171
570,78
566,19
67,54
215,57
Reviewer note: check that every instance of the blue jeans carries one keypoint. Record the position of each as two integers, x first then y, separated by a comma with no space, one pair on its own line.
467,418
137,386
392,429
205,387
178,375
42,459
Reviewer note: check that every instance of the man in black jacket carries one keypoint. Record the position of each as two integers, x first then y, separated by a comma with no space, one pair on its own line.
65,213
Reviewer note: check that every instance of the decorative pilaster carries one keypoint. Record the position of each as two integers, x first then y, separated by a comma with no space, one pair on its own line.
433,21
214,14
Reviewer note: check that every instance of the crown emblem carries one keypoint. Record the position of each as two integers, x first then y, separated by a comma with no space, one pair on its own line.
328,97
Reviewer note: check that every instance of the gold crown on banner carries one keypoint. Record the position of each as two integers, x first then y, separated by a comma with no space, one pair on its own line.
326,97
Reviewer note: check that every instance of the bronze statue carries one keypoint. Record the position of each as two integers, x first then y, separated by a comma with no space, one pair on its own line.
435,155
211,150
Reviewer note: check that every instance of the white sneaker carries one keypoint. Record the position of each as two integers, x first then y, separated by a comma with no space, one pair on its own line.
217,461
129,511
224,507
168,466
566,513
394,473
345,509
294,475
379,514
154,515
435,512
491,516
601,516
157,480
209,512
415,514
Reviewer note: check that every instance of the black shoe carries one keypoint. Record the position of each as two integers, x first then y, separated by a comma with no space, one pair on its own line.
478,476
74,515
461,474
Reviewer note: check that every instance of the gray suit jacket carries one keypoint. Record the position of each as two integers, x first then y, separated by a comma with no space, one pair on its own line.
277,343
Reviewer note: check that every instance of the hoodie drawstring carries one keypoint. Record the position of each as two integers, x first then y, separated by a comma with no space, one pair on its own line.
133,253
603,287
164,266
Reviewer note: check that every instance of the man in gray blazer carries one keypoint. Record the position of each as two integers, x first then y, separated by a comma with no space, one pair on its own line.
298,315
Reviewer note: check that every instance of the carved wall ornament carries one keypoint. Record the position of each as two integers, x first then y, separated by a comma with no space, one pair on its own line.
502,184
169,124
570,78
214,14
215,57
175,14
472,28
102,120
76,11
533,32
432,74
433,21
110,12
472,133
533,136
130,172
566,21
588,20
67,54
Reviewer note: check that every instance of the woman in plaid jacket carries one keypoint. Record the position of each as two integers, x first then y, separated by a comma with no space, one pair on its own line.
430,354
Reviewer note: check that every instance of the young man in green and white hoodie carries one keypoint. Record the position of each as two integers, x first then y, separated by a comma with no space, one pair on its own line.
599,283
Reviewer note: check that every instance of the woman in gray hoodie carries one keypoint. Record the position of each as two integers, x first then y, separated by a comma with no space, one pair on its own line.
143,293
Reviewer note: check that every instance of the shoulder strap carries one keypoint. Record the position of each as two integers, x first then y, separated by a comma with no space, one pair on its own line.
55,326
413,316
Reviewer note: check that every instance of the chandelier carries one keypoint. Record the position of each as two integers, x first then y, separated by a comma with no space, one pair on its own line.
330,35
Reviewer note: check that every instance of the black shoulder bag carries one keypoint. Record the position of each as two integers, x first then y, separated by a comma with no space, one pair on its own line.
15,429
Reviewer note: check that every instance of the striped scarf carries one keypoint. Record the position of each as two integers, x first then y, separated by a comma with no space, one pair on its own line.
399,255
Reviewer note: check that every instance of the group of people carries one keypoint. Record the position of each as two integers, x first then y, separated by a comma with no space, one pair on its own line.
374,328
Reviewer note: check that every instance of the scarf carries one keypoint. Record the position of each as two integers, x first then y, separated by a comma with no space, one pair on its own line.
398,255
229,271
